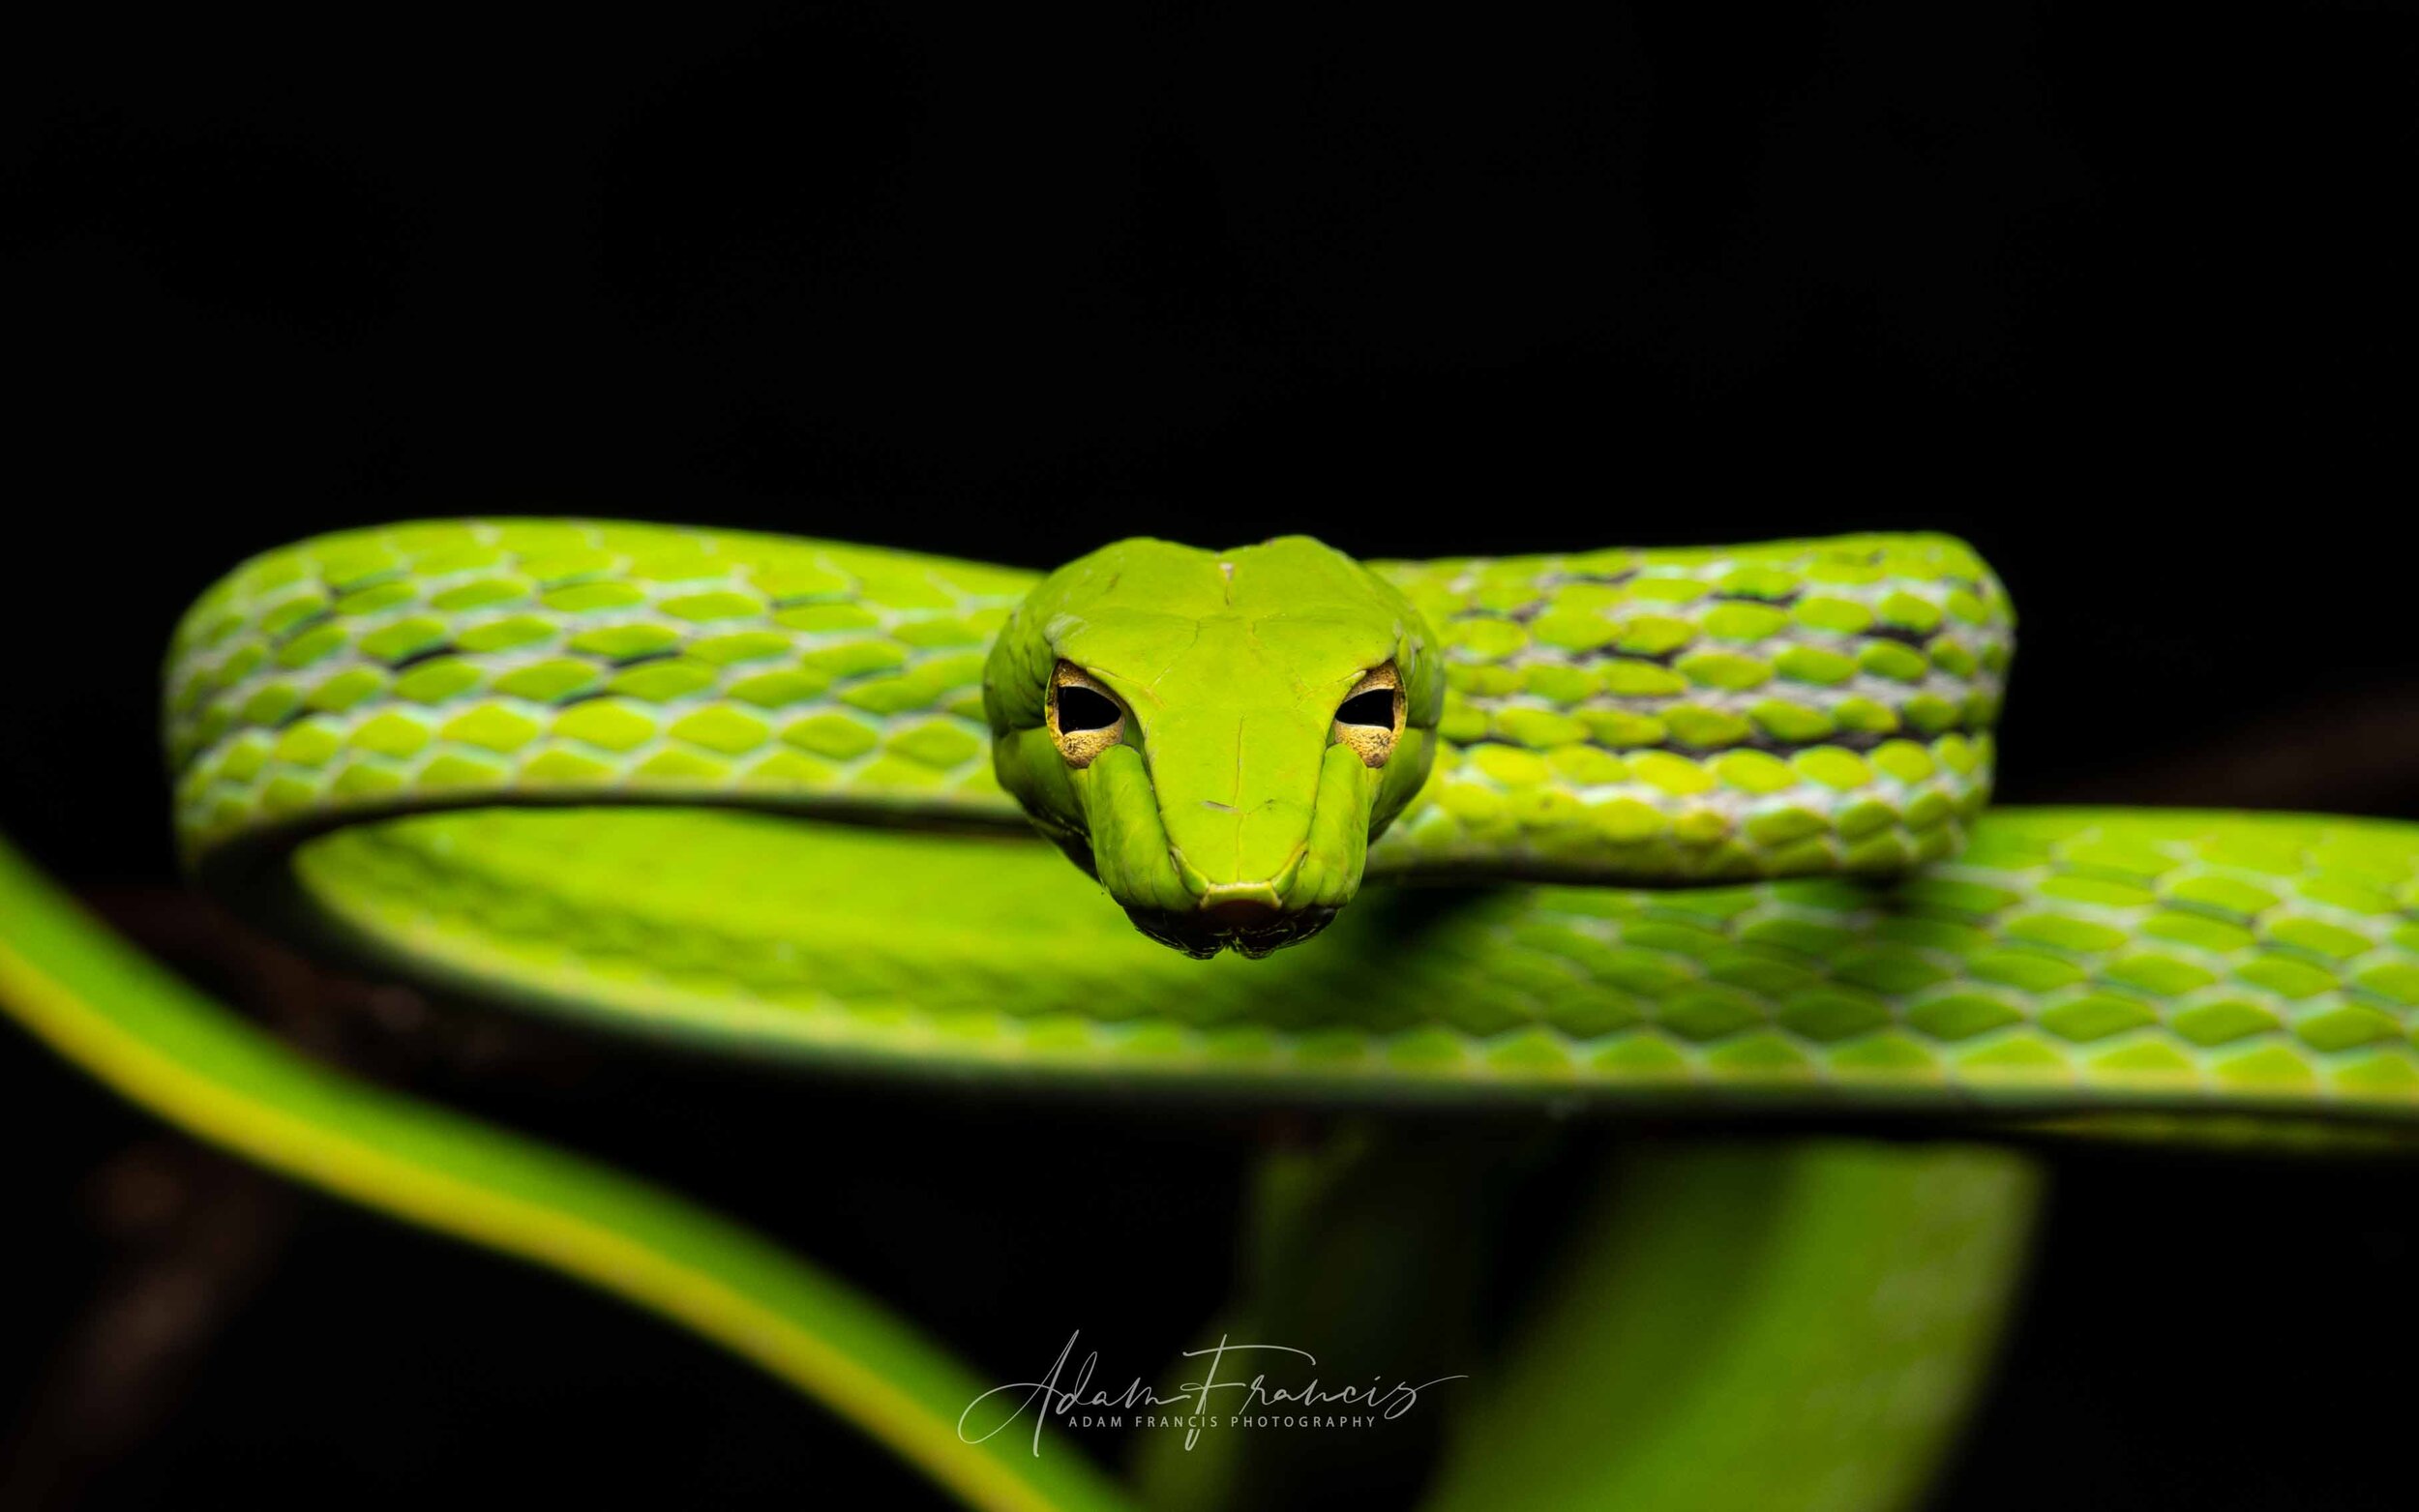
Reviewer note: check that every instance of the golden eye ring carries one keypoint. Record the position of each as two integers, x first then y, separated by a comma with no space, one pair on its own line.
1084,717
1370,719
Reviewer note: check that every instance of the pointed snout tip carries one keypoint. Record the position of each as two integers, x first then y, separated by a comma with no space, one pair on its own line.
1242,895
1243,905
1251,918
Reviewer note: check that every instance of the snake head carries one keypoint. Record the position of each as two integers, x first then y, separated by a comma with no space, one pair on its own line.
1216,735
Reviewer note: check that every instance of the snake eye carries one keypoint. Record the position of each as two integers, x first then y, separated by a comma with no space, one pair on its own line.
1085,718
1081,709
1374,707
1370,719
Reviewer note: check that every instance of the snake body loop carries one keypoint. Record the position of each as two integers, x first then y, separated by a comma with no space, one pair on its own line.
1789,719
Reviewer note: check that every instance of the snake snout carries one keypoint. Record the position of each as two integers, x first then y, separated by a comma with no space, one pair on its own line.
1242,906
1249,919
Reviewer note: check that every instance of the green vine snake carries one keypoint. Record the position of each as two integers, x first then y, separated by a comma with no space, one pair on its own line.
775,797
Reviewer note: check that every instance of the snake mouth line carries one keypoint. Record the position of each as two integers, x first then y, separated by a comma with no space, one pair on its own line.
1253,931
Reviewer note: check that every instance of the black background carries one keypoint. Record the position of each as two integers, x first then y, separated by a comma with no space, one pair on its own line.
2127,301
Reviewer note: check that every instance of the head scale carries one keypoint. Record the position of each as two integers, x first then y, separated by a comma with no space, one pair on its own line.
1216,735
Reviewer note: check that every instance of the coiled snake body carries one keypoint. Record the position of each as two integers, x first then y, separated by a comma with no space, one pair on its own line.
767,795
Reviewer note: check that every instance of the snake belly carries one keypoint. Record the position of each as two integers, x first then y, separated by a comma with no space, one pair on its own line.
463,747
